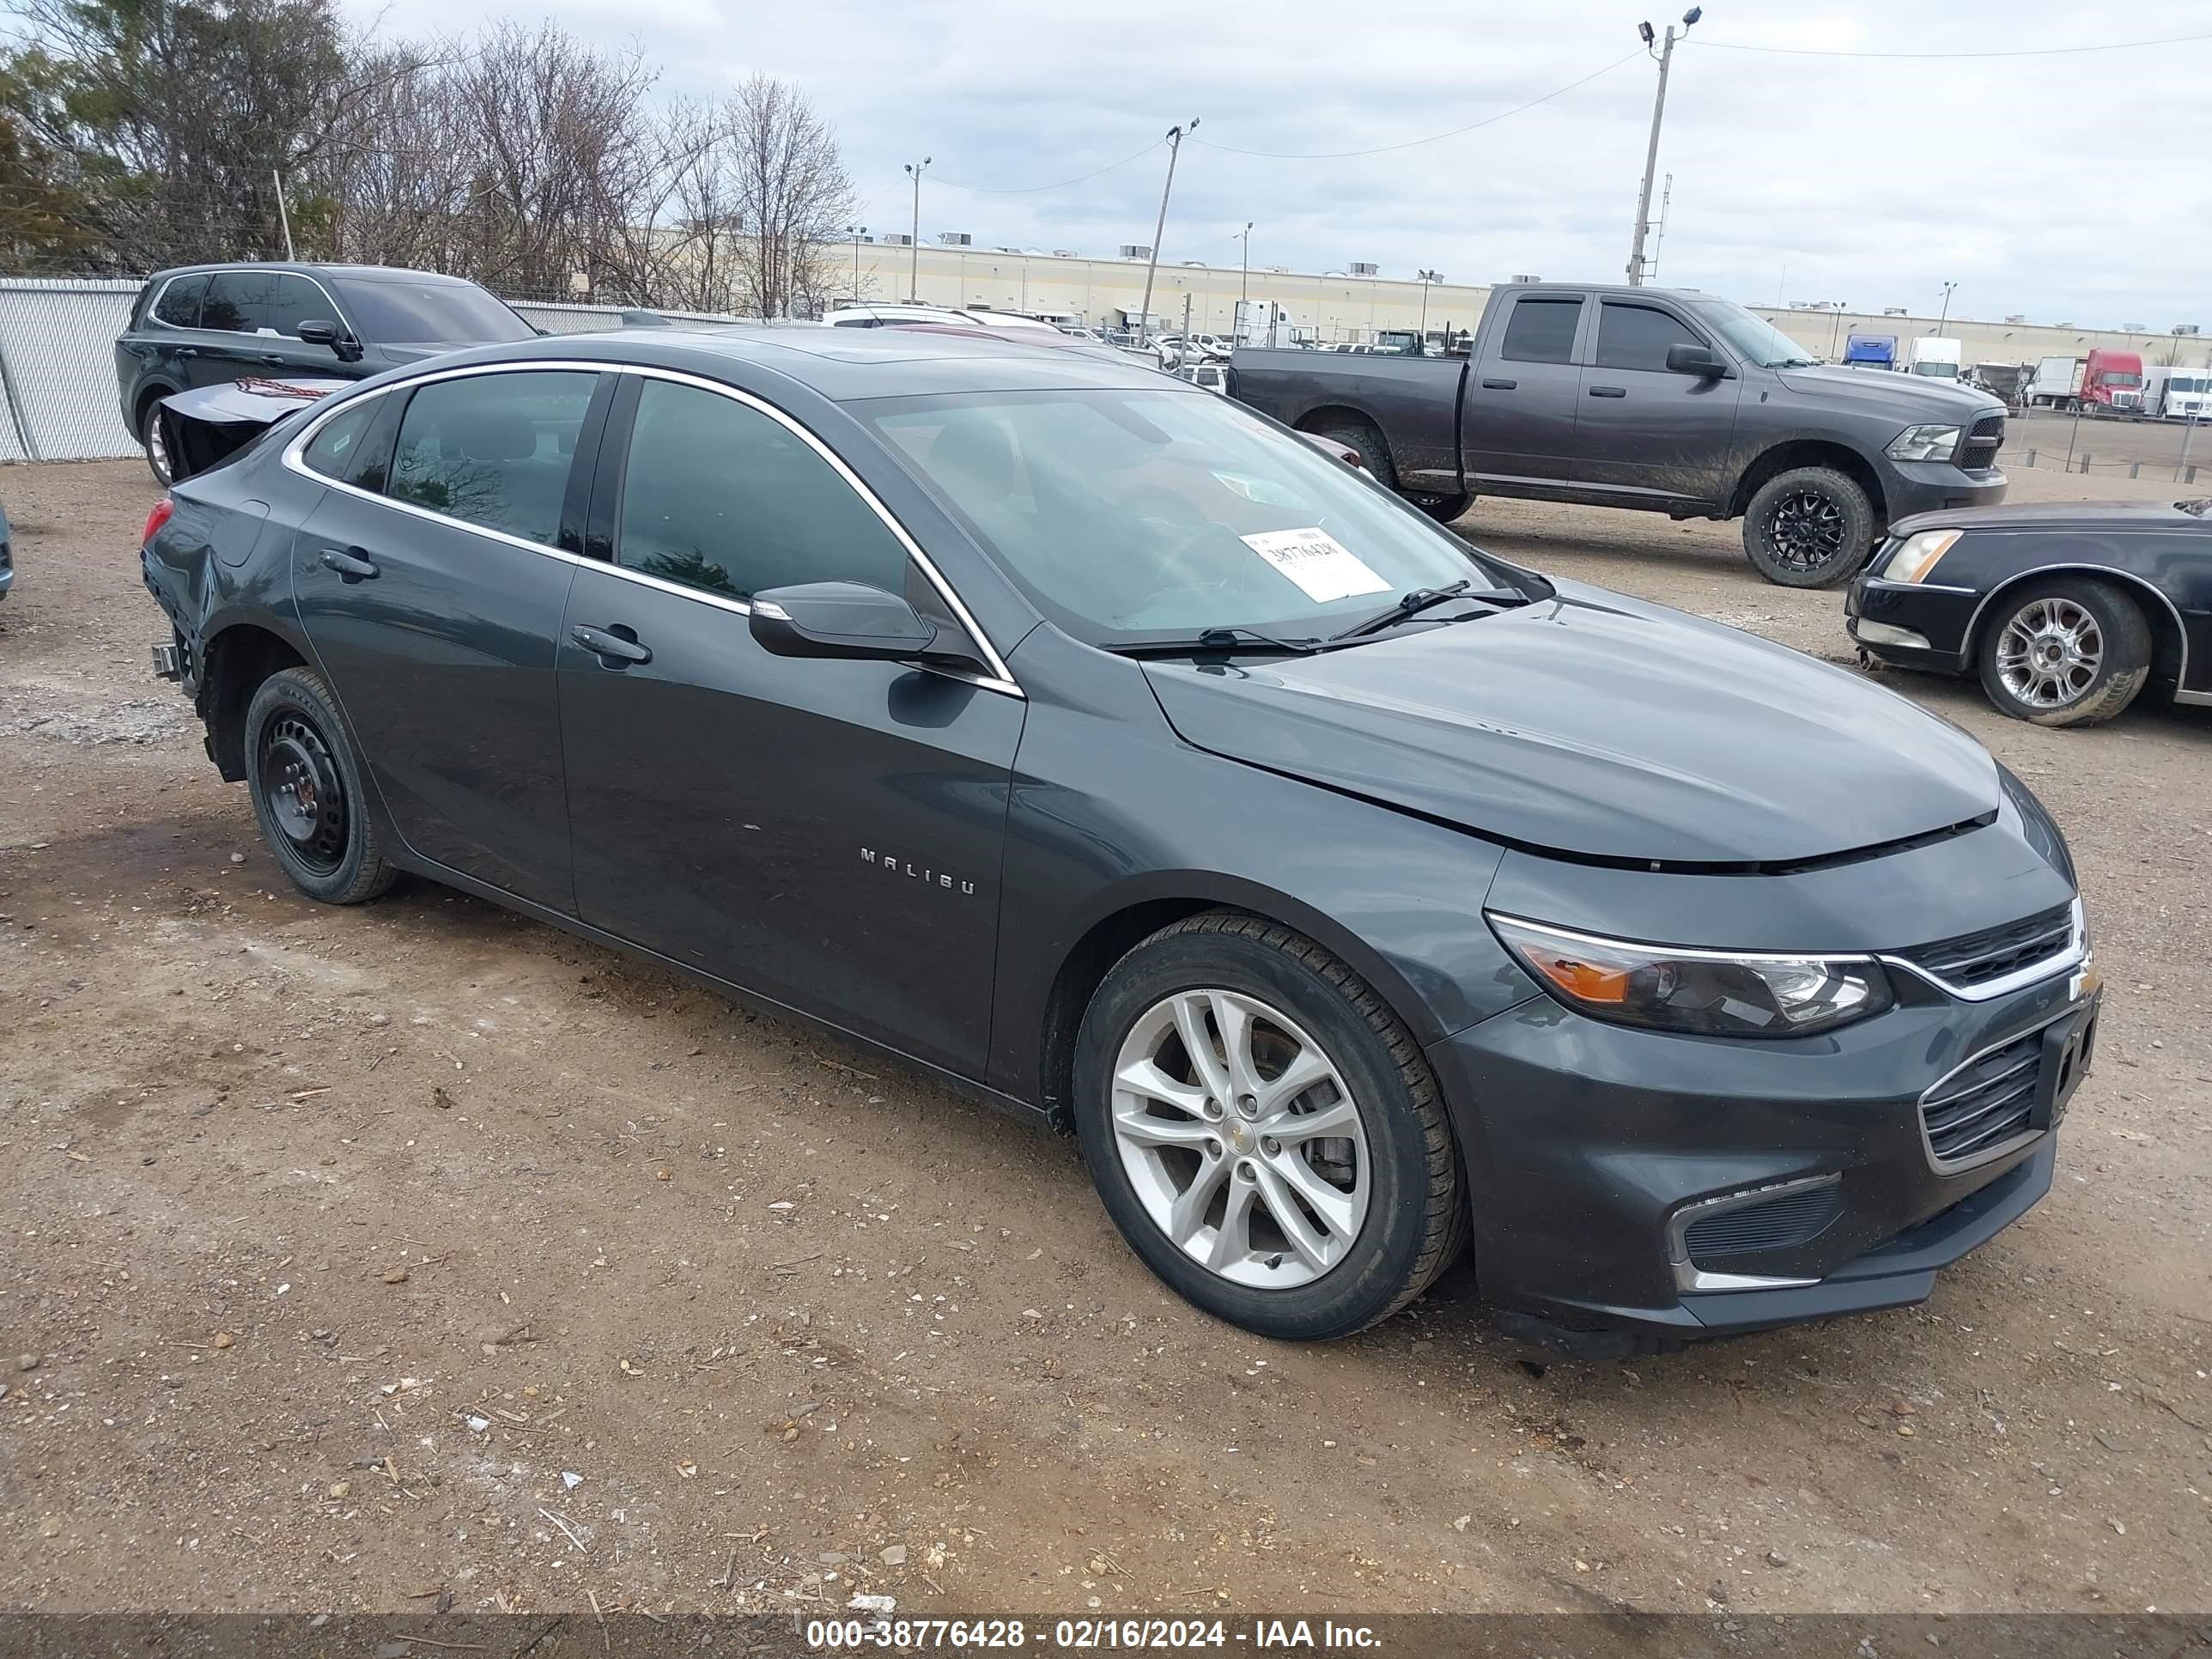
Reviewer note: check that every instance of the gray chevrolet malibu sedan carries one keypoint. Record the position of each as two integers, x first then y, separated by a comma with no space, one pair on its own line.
1105,750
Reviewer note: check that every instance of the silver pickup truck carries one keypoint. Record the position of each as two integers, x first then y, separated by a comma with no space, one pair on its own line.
1661,400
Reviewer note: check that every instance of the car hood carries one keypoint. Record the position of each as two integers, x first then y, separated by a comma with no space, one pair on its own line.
2062,516
1914,397
1600,726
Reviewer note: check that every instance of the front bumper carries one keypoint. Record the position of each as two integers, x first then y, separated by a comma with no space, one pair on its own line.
1912,624
1909,487
1593,1148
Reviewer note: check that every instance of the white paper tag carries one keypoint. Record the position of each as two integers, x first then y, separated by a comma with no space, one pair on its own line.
1323,567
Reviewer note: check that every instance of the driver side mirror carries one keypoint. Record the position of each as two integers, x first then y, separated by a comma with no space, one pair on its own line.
318,333
849,620
1695,360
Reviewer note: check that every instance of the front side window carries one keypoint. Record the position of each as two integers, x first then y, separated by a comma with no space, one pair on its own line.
718,496
493,450
1137,515
293,301
1637,336
180,304
1541,330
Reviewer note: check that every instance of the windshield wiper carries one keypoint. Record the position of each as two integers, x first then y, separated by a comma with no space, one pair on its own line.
1424,599
1218,642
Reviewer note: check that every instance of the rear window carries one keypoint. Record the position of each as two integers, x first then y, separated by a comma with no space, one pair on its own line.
1542,330
430,313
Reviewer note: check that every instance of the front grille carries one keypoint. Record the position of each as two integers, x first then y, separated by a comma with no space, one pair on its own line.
1978,450
1972,959
1774,1224
1984,1103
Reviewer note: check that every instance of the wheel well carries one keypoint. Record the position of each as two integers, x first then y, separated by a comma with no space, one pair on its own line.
1078,980
1329,418
2166,641
237,660
1810,452
146,401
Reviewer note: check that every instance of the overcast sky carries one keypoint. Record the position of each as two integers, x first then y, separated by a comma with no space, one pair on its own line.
2069,188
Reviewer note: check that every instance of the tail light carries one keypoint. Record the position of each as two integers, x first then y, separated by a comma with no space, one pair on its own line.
156,519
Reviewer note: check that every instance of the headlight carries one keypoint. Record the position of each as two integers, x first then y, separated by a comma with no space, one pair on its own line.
1925,443
1916,554
1713,993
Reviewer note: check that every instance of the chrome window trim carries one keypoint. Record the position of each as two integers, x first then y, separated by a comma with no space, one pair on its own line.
1000,679
2106,572
2073,955
1689,1277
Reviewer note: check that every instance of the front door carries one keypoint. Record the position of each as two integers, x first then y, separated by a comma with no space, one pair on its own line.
433,602
1522,396
826,833
1648,435
249,325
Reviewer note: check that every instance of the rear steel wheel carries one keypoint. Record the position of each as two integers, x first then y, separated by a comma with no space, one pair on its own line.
307,791
1241,1137
307,797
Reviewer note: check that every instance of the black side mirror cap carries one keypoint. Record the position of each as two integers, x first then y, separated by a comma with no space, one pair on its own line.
1695,360
316,331
848,620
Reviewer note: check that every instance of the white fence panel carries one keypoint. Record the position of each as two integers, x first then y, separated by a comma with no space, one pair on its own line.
58,368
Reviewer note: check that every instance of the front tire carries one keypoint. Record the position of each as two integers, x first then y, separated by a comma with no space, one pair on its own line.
1265,1131
307,792
2069,653
1811,526
1445,509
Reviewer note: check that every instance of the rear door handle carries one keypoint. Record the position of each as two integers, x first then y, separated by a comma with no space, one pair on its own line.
351,563
272,358
611,648
188,351
1499,385
1608,391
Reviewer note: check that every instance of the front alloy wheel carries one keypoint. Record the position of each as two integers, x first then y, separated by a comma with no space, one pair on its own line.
2069,652
1807,530
1242,1139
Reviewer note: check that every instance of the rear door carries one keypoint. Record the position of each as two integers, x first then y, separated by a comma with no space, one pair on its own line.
827,833
1644,433
1523,393
432,587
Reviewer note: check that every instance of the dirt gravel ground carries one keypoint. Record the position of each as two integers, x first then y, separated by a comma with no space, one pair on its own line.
417,1255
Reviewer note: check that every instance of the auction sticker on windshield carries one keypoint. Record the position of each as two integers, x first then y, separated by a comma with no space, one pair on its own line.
1321,566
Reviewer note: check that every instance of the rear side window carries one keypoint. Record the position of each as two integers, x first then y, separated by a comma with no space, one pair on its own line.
1637,336
237,300
716,496
180,304
334,451
493,450
1542,330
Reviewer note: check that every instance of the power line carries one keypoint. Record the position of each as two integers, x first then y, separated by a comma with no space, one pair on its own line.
1434,137
2024,51
1031,189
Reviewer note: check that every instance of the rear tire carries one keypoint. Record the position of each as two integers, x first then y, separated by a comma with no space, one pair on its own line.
2066,653
1373,451
308,797
1302,1215
1811,526
156,444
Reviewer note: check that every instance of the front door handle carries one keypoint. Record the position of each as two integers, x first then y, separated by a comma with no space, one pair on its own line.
188,351
1608,391
351,563
1499,385
272,358
611,648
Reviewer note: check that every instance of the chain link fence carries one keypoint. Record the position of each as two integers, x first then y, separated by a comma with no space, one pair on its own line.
59,400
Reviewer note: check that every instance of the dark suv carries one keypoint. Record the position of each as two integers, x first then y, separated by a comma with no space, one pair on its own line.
200,324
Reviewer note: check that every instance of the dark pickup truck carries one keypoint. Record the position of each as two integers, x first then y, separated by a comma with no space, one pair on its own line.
1658,400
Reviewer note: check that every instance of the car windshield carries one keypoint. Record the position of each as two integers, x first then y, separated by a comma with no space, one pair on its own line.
430,313
1766,345
1136,515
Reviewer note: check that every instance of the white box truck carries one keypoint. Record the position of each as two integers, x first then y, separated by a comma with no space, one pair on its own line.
2058,382
2178,394
1937,356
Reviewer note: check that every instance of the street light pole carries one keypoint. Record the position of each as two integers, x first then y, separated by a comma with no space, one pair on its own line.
856,232
1427,279
1244,281
1636,266
1159,229
914,242
1946,317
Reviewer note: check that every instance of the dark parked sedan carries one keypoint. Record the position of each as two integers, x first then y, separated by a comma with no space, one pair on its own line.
2065,611
205,325
1099,746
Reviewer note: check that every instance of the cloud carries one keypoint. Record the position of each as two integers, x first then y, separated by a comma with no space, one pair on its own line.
2063,187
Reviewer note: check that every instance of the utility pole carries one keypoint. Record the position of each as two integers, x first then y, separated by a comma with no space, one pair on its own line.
1946,317
1666,55
913,244
856,232
1427,279
283,214
1244,282
1174,147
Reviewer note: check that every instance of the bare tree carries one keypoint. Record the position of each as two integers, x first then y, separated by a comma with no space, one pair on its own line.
793,198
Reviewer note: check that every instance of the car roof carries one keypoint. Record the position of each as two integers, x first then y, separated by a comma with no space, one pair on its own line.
308,268
844,365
